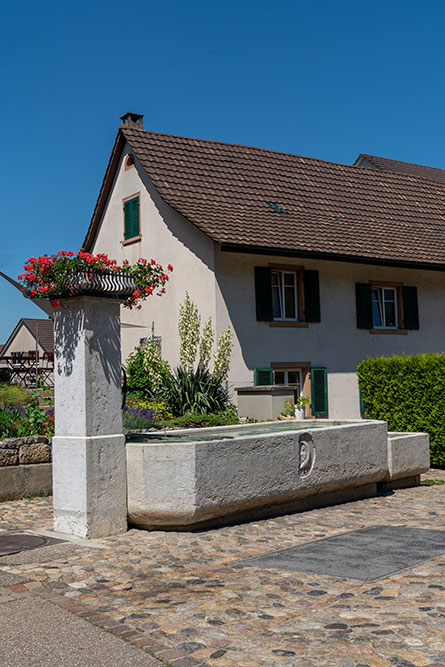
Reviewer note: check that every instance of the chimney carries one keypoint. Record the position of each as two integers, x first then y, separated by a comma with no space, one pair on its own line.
132,120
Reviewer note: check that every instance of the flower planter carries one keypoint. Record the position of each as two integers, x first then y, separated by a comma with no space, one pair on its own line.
300,413
64,275
108,284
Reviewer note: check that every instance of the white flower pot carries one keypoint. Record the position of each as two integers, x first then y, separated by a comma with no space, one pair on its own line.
299,413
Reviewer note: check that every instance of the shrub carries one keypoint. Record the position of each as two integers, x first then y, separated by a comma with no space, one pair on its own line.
137,376
159,407
197,392
408,392
192,420
147,370
156,368
13,396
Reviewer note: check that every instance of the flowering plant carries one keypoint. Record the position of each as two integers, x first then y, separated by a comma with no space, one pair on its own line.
16,422
46,276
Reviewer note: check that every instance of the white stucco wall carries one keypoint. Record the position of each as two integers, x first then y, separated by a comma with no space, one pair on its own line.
335,342
168,238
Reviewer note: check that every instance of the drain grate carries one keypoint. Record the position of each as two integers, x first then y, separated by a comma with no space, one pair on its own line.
14,543
368,554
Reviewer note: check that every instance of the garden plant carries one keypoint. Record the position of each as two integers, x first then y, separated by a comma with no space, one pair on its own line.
27,418
193,392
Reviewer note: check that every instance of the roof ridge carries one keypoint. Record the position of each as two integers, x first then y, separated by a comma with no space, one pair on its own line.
390,159
228,143
348,167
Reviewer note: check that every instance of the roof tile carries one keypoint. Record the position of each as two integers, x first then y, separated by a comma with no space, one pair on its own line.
341,210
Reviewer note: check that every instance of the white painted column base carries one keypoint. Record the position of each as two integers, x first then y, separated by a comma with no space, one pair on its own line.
89,485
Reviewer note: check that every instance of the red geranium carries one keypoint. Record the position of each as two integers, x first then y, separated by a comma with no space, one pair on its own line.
45,276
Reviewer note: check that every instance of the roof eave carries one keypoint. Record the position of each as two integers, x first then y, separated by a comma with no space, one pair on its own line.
327,256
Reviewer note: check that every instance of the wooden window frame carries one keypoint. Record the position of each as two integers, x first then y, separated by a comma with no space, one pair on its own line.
129,161
305,368
400,329
301,313
134,239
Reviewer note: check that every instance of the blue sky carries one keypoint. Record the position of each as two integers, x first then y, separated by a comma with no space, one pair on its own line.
315,77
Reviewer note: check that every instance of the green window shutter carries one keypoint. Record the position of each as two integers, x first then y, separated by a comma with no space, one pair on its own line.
319,392
363,300
262,376
410,308
131,217
311,296
263,293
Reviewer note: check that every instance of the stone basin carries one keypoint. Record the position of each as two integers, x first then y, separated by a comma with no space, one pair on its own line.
194,478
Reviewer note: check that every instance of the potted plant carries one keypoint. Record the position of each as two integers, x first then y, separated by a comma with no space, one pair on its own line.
300,407
65,275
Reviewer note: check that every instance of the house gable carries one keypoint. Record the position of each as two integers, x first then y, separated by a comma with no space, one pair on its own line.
24,337
166,236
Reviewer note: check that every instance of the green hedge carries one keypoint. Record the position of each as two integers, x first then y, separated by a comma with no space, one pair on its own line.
409,393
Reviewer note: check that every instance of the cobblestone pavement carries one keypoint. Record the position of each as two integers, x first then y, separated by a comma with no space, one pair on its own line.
182,596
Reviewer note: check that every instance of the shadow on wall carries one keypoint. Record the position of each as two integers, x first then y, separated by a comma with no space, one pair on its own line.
67,333
184,231
101,336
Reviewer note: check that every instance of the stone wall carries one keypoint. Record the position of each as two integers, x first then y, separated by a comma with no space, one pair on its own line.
25,467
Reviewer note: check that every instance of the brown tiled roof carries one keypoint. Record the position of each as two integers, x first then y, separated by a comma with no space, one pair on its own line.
409,168
329,210
44,330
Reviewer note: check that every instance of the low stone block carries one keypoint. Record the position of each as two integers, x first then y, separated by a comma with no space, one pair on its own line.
39,452
20,480
10,443
408,455
34,440
9,457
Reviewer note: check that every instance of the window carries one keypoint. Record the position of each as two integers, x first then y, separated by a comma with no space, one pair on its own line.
284,295
308,381
287,295
289,377
131,219
384,307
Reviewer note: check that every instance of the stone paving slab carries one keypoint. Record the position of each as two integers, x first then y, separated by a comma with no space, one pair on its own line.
369,554
184,597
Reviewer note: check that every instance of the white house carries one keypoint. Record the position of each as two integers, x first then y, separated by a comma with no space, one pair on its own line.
315,265
28,354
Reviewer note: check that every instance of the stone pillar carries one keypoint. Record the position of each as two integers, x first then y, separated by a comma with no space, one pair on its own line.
89,463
